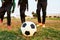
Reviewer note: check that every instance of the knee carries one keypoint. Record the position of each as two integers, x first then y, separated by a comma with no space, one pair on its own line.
37,10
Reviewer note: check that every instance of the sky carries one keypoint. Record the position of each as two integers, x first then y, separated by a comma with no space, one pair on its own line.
53,8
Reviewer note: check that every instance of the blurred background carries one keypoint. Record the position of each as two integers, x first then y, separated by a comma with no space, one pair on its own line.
53,8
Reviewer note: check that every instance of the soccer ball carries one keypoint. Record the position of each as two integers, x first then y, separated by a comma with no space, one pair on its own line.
28,28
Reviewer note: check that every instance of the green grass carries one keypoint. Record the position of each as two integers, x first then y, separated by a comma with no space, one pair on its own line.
53,18
51,32
42,34
5,35
47,34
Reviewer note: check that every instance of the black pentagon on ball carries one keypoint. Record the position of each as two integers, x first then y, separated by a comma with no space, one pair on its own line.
24,25
32,26
27,33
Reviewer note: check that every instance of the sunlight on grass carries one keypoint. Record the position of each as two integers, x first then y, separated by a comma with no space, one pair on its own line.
47,34
42,34
51,32
53,18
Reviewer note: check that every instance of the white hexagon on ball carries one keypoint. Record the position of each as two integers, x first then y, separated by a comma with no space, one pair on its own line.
28,28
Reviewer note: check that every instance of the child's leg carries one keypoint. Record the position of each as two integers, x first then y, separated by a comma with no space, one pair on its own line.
1,14
38,14
22,14
44,6
8,9
8,18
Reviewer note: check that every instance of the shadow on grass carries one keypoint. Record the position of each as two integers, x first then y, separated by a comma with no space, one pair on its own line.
42,34
5,35
47,34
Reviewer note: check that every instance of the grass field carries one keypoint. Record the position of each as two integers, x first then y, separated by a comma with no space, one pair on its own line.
50,32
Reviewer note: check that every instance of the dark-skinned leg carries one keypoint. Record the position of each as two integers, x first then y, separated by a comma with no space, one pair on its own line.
38,14
44,6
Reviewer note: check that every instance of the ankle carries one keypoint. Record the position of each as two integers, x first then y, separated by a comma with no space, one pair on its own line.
43,25
1,21
9,27
39,24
